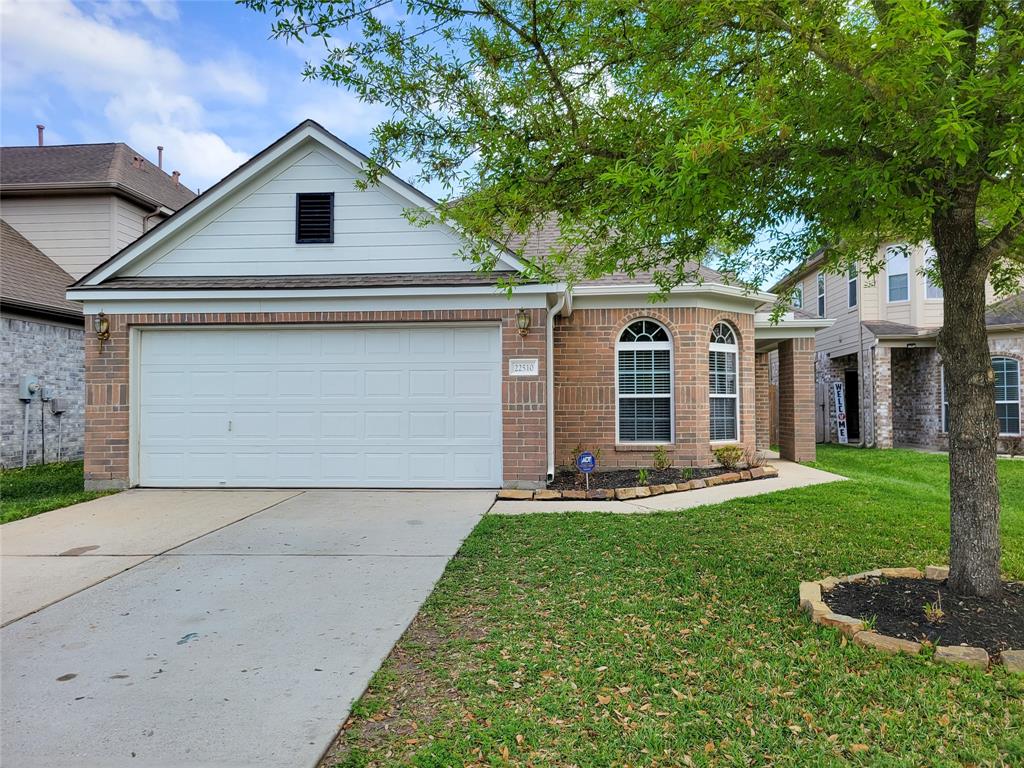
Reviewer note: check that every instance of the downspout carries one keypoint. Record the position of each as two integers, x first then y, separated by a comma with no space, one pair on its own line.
549,369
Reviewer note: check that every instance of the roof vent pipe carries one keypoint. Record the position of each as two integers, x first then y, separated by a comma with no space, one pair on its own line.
177,177
160,157
39,129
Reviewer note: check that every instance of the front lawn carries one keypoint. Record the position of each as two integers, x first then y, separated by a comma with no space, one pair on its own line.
674,639
40,488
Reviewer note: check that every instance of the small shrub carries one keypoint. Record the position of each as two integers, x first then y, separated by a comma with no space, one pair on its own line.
642,476
686,473
661,459
753,458
933,612
729,456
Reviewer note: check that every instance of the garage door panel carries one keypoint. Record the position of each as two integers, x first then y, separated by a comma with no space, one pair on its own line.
420,407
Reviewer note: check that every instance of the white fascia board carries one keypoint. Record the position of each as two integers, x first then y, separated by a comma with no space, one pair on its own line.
790,329
440,293
361,303
183,219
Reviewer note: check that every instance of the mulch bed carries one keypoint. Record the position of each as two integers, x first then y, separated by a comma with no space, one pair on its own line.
898,605
568,480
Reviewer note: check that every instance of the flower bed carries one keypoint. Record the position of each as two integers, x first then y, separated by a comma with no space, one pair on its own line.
901,610
633,491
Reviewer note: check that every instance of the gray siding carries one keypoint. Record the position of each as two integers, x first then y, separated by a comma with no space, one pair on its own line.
73,231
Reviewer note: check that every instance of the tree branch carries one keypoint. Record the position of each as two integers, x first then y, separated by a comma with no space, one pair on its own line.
1000,244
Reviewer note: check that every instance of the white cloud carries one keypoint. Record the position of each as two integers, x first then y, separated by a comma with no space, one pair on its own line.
150,95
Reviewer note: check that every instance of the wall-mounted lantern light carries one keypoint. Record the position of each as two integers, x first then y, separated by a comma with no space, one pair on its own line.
523,322
101,325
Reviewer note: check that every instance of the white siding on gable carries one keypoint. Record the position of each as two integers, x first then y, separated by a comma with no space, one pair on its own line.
74,231
255,234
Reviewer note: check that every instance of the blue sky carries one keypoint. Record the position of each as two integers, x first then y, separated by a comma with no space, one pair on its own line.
200,77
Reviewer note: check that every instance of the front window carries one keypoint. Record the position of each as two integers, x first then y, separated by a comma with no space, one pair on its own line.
851,285
723,383
821,294
644,383
897,270
932,290
1007,384
1007,396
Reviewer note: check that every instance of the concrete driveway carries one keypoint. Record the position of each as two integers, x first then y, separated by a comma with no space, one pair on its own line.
245,646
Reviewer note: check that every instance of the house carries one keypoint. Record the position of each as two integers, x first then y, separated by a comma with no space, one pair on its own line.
41,337
65,209
878,361
287,328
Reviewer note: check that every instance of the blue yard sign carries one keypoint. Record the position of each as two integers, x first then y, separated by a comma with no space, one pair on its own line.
586,462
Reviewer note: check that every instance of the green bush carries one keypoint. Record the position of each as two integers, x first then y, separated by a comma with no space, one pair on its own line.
729,456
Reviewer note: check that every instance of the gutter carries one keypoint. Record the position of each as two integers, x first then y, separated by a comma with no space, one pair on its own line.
83,187
549,370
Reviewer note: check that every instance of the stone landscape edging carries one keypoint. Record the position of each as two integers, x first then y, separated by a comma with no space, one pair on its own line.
855,629
638,491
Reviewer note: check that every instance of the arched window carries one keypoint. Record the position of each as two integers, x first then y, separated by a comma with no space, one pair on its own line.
643,357
1007,382
723,382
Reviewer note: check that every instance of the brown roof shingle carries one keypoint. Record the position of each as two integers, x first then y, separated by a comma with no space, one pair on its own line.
29,279
1009,311
59,165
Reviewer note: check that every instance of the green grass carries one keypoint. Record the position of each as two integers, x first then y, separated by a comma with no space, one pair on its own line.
674,639
27,492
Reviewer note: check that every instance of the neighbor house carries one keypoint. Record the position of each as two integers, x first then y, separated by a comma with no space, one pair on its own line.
65,208
877,364
287,328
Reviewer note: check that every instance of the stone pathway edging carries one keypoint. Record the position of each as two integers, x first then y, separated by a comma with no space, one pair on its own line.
811,602
639,491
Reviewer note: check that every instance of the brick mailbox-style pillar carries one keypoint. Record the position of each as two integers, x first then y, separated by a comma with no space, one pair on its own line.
762,400
796,399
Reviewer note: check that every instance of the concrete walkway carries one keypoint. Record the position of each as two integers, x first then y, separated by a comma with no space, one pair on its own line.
245,647
48,557
790,475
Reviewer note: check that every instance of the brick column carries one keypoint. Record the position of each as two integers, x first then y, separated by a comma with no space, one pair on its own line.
762,401
796,399
881,384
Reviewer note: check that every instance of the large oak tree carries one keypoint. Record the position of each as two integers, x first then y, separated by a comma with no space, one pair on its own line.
661,132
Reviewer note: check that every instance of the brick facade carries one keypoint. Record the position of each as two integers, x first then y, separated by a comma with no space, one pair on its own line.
585,395
107,392
53,353
916,396
762,399
796,399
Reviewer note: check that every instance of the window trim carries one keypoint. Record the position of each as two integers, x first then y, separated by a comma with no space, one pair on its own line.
821,294
735,350
930,255
670,346
852,284
307,241
902,254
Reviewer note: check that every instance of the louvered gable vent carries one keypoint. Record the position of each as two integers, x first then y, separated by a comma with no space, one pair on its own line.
314,217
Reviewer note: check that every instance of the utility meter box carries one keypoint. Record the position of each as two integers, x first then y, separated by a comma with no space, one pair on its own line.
47,394
27,386
58,405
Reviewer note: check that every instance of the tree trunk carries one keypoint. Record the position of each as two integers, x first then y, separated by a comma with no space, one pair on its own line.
974,548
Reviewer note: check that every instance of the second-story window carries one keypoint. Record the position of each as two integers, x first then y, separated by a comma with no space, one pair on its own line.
851,285
314,217
897,270
932,290
821,294
798,296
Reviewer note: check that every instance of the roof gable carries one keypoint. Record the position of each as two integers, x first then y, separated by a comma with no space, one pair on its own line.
244,225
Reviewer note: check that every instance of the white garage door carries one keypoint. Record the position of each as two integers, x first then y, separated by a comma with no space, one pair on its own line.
415,406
